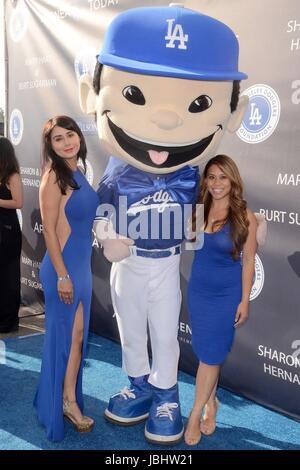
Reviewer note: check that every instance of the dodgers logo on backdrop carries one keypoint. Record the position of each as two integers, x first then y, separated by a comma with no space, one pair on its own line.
16,126
85,62
259,278
262,114
18,24
175,33
89,170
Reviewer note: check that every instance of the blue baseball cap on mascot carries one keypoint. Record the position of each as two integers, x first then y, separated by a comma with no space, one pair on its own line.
169,41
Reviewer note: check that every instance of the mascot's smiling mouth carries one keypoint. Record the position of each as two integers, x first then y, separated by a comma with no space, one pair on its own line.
158,155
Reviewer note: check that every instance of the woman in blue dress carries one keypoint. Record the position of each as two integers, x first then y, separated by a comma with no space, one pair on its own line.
220,284
68,206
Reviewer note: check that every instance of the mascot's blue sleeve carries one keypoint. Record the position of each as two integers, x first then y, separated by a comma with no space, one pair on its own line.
197,191
106,186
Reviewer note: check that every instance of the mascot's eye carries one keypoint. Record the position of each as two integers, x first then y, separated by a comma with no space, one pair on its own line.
200,104
134,95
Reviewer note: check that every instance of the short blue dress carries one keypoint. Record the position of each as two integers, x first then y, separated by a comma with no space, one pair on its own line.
80,211
214,293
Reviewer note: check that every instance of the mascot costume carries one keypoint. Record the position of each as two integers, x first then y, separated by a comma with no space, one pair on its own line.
165,90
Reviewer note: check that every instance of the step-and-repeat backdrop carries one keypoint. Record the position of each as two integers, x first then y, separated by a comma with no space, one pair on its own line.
49,44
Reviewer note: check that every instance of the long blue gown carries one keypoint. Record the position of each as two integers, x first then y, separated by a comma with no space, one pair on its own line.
80,211
214,293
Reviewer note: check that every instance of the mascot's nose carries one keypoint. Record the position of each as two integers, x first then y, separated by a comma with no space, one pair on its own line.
166,119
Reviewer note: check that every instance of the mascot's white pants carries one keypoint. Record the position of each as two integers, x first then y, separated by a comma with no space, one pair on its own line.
147,291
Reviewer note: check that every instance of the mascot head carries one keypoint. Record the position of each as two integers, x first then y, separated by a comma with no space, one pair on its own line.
165,88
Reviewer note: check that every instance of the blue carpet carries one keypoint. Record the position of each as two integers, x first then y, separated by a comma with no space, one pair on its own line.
241,424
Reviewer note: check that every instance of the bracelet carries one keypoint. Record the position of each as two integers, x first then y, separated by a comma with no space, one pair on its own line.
63,278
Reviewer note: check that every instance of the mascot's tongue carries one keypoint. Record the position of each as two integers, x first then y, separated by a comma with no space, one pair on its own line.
158,157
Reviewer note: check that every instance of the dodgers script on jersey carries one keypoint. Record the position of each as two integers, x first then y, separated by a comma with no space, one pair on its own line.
151,209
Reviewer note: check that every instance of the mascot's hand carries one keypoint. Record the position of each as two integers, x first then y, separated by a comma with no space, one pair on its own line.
115,246
261,233
116,250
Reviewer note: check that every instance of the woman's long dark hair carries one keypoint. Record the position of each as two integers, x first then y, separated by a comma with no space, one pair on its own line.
63,172
237,213
8,160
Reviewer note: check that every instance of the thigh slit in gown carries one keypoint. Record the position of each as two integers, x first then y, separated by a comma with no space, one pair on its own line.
214,293
80,211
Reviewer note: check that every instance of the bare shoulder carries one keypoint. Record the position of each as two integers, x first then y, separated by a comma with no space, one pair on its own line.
49,183
251,217
48,178
15,178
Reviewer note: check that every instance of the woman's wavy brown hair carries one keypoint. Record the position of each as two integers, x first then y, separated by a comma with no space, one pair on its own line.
63,172
237,213
8,160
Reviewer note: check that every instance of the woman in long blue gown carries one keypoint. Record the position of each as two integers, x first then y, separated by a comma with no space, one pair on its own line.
220,284
68,206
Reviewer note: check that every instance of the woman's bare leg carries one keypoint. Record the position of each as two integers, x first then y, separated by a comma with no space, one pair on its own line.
206,380
208,423
70,381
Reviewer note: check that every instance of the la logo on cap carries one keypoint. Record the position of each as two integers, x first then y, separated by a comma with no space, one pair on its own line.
176,34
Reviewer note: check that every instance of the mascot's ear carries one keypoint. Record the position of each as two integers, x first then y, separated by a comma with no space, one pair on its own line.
87,95
237,115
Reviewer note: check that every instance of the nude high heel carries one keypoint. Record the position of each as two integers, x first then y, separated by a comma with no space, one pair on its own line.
85,425
208,425
192,435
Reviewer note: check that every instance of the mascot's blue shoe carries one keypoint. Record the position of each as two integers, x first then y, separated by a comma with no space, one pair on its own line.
164,425
131,405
